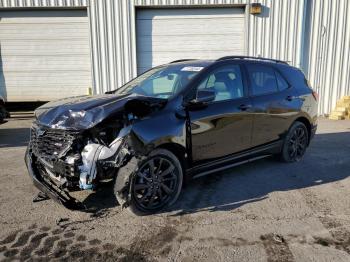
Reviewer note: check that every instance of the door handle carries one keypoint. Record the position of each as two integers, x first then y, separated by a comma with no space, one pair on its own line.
244,107
290,98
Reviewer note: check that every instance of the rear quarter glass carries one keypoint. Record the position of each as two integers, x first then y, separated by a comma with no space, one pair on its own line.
296,78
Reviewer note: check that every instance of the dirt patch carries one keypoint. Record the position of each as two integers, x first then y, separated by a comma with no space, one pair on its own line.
48,244
340,236
95,242
23,239
10,238
56,243
236,242
340,240
154,243
276,248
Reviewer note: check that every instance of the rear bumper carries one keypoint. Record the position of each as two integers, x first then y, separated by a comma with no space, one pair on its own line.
56,194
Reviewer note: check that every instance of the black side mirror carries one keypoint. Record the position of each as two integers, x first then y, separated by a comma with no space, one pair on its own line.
204,96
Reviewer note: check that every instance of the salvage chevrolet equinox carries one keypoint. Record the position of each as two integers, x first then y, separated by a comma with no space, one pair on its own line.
177,121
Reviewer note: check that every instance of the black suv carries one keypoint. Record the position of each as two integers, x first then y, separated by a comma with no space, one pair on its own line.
177,121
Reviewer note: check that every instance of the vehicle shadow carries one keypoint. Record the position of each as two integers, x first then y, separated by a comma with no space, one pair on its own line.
14,137
101,201
326,161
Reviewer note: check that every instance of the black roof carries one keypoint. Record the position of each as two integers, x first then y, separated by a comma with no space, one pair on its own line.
252,58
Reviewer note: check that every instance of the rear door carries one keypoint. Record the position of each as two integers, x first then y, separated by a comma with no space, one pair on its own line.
274,103
224,126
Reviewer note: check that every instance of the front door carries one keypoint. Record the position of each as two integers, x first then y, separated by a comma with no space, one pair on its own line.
223,126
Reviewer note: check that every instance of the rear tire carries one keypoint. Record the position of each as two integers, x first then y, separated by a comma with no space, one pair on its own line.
156,183
295,143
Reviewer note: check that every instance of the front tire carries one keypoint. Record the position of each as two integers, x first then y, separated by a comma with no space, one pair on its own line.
3,114
295,143
156,183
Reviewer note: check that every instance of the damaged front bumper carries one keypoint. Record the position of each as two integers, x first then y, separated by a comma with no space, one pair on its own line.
52,191
46,184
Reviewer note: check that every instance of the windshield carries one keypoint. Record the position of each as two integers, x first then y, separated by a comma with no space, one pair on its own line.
161,82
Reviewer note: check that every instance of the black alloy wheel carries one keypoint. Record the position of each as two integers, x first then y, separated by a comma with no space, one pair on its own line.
295,143
157,182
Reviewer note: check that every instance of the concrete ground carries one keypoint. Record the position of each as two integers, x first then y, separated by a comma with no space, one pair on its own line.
263,211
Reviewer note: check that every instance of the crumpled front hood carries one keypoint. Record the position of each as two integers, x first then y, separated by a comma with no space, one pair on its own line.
84,112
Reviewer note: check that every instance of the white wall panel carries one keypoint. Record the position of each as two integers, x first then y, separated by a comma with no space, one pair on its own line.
276,33
187,2
165,35
44,54
272,34
328,64
43,3
113,43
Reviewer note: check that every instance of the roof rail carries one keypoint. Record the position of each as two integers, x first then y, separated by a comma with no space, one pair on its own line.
181,60
252,58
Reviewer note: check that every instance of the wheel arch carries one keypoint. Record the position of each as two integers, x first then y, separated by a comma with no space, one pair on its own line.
179,151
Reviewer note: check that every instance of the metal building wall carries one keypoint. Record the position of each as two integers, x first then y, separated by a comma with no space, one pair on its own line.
328,63
42,3
278,31
275,33
113,43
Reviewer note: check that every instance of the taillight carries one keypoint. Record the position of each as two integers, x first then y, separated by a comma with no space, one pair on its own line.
315,95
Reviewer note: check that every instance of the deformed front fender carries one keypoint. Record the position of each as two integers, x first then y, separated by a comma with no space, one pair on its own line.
145,135
162,127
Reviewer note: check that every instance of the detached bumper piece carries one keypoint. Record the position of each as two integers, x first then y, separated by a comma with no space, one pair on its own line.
50,189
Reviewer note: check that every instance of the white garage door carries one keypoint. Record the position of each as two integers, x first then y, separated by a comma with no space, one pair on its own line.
164,35
44,55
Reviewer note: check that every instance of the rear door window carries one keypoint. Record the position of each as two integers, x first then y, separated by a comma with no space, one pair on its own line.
262,79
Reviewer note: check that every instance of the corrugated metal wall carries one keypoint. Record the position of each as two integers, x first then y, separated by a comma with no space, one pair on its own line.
113,43
276,33
328,64
43,3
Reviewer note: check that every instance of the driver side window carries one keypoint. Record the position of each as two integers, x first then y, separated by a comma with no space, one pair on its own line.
226,82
